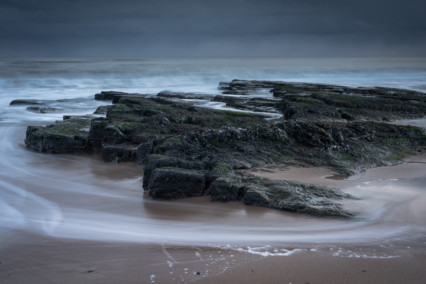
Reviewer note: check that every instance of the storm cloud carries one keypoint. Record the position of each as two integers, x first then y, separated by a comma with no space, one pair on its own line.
191,28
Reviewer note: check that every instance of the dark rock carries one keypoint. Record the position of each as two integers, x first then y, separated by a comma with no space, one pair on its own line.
169,182
144,149
96,133
252,104
113,135
29,102
119,153
226,188
184,95
220,169
69,136
117,98
108,95
102,110
321,101
160,161
185,149
244,87
43,109
296,197
282,195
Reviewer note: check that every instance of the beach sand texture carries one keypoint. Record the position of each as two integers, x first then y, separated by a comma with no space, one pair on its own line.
96,227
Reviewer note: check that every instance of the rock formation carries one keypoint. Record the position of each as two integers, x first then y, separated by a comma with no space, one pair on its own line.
188,150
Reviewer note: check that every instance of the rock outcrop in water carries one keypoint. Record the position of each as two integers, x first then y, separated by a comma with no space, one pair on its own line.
192,151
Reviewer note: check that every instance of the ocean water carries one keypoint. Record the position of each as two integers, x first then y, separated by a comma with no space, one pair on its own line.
80,79
79,197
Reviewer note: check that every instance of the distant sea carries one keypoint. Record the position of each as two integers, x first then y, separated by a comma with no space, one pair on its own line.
80,79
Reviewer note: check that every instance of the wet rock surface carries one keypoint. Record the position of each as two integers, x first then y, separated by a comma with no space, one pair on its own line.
68,136
283,195
188,150
29,102
184,95
38,109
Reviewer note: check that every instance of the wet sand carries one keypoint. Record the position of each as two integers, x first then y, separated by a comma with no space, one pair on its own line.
75,219
314,267
412,167
37,259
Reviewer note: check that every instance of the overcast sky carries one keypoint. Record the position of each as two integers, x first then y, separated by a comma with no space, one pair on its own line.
214,28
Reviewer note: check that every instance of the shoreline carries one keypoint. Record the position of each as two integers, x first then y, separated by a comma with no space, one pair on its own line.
74,261
326,268
74,218
413,166
29,256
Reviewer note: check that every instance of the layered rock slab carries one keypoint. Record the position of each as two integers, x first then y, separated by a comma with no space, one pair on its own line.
191,151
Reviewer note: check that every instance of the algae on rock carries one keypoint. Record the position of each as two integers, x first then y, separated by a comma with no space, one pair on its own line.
188,150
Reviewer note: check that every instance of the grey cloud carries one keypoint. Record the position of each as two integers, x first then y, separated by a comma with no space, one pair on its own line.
132,28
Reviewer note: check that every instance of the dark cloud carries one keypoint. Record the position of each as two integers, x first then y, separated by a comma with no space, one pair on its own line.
166,28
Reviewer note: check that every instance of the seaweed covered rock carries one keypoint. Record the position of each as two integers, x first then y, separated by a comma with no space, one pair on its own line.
68,136
323,101
108,95
184,95
172,183
156,161
282,195
296,197
227,188
119,153
188,150
29,102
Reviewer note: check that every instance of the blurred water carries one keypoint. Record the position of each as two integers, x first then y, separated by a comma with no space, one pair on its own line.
82,78
71,196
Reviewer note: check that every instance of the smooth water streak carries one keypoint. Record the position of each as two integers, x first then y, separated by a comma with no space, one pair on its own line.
80,197
71,196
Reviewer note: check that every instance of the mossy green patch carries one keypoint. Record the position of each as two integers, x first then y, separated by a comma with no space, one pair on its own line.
221,168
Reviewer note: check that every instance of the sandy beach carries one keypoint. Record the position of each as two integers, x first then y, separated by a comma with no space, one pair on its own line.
75,219
34,259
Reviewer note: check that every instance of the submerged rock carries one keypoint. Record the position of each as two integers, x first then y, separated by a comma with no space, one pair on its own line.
29,102
43,109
